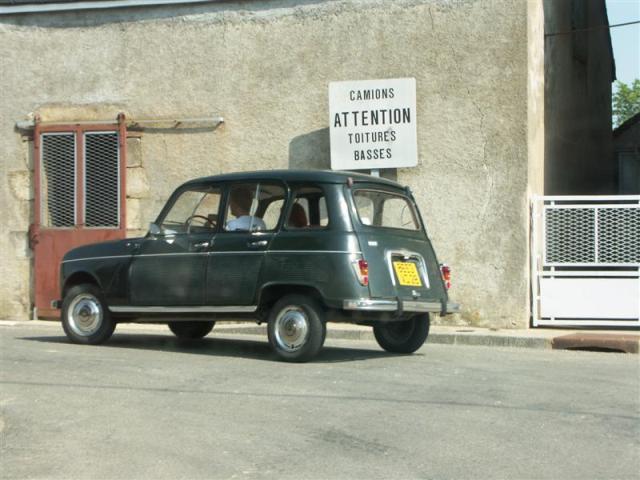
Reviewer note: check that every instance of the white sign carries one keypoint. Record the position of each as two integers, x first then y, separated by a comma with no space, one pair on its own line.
373,124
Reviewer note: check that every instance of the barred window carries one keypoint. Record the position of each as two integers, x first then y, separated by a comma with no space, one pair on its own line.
101,173
80,179
58,182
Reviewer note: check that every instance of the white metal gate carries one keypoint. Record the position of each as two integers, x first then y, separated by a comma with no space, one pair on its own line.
585,260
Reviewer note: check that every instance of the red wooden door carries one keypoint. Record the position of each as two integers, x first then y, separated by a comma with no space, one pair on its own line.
79,177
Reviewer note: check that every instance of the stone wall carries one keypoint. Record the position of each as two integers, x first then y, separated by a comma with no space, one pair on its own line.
265,67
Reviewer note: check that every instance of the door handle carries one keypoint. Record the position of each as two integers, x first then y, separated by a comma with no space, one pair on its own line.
258,243
201,244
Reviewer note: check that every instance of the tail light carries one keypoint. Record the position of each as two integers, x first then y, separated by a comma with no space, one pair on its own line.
361,268
445,270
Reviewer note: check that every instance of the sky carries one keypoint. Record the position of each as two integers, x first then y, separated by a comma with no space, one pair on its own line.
625,40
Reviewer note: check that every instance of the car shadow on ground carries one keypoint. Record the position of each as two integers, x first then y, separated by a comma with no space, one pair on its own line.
219,347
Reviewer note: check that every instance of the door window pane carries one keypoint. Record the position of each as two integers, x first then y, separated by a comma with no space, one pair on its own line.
309,209
58,182
254,207
102,175
205,216
194,210
272,213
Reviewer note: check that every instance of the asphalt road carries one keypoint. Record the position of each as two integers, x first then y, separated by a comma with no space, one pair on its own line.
148,406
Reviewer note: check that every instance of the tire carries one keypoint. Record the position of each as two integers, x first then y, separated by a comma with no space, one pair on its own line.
85,316
191,330
403,337
296,328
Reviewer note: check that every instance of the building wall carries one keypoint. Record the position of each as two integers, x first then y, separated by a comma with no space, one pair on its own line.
626,148
578,78
265,67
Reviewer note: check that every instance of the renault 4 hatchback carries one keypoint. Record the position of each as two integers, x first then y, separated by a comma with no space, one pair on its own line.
294,249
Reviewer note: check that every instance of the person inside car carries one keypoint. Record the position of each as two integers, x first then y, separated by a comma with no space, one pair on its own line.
240,205
298,217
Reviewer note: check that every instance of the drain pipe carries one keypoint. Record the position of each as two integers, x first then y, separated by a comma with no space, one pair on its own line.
89,5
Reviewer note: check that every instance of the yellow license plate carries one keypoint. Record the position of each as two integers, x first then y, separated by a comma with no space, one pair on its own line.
407,274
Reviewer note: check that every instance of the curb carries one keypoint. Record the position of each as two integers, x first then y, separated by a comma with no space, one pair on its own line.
488,340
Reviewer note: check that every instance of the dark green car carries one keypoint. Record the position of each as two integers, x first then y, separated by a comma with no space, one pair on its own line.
295,249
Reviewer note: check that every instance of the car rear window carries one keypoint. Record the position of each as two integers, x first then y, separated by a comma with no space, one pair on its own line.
378,208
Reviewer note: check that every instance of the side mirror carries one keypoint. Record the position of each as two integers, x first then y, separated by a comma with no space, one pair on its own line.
154,229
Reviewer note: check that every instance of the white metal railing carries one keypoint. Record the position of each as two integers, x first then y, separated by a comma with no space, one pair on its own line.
585,260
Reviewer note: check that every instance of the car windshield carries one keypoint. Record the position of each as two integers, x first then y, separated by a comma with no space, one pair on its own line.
378,208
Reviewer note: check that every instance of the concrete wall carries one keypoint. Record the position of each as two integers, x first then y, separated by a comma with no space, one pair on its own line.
578,67
265,67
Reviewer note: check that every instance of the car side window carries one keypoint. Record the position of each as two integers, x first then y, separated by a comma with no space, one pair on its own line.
308,209
272,213
254,207
195,210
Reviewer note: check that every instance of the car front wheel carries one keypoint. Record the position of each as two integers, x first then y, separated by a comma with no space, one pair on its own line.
191,330
403,337
296,328
85,316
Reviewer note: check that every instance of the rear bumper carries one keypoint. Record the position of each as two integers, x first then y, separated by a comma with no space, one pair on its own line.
377,305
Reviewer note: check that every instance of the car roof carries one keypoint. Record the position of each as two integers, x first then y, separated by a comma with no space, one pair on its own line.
315,176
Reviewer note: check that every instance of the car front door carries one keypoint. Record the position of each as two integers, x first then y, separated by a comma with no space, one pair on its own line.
236,257
169,266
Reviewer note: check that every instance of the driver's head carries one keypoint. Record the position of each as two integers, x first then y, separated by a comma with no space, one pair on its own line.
240,199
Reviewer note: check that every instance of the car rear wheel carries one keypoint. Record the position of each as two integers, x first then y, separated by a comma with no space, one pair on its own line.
85,316
191,330
296,328
403,337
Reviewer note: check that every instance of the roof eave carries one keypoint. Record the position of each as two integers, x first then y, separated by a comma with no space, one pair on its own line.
628,123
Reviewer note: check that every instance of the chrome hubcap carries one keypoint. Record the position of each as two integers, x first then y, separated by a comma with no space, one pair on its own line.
85,315
291,328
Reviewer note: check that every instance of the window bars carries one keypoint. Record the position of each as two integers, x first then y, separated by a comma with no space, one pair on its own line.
80,179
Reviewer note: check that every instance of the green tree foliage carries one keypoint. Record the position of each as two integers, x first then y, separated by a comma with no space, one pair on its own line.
625,101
